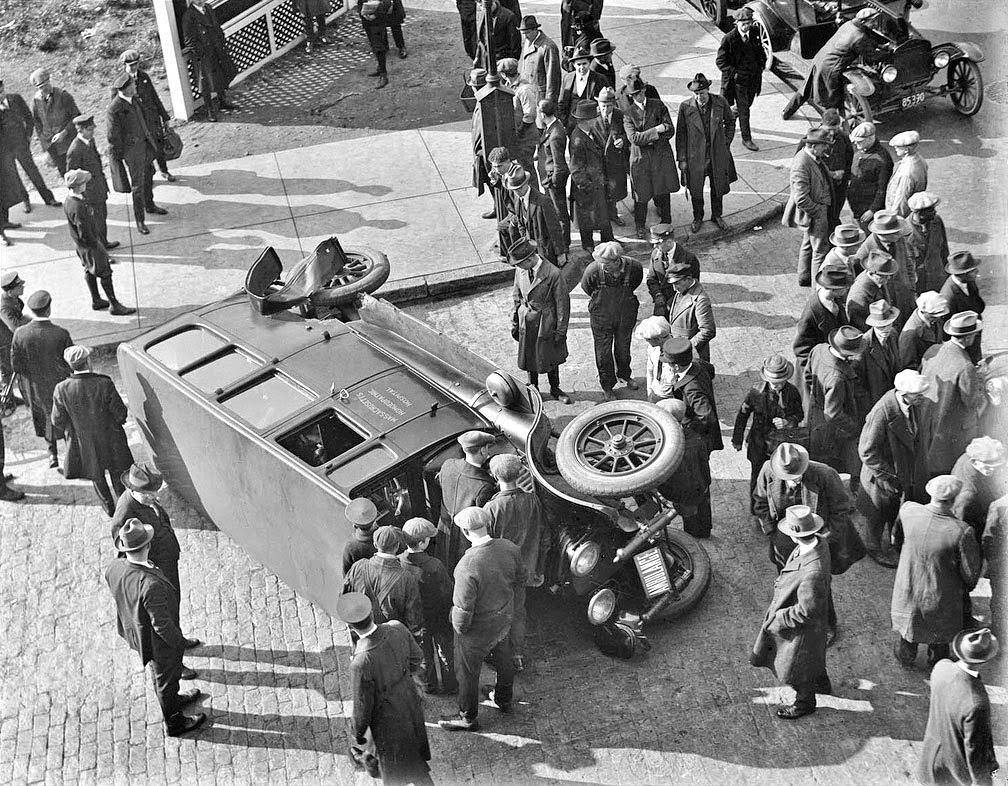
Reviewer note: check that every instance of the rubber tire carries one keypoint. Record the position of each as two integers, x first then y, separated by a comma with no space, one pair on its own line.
366,284
596,484
764,28
702,572
980,86
720,15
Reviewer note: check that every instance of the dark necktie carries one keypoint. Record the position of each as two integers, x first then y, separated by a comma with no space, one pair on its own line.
531,277
793,496
911,422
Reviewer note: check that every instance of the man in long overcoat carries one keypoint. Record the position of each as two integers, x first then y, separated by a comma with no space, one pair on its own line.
666,253
939,565
580,84
505,38
792,639
53,110
12,192
154,112
653,173
83,154
210,58
984,479
532,216
823,313
132,145
393,590
893,449
553,169
88,409
385,700
540,317
878,281
539,61
928,244
464,483
704,130
16,126
809,203
741,60
870,172
923,329
37,358
690,314
880,361
960,287
617,151
889,234
587,167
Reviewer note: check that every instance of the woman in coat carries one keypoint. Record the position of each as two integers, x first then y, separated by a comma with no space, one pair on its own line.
210,57
653,174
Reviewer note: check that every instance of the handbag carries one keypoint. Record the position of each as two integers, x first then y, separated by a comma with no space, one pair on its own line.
172,144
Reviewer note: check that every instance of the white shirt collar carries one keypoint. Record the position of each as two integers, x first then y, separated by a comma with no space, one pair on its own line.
383,555
534,270
684,372
903,406
580,81
961,284
967,669
828,303
40,319
479,541
805,548
367,633
127,99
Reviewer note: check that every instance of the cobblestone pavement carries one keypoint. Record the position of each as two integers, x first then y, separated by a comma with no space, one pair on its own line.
76,707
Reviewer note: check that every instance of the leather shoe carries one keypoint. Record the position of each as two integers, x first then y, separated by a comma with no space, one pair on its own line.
695,226
560,396
112,244
720,223
11,225
7,494
99,305
169,177
54,203
157,211
632,384
748,144
189,723
53,462
382,82
458,723
191,644
117,309
187,673
793,711
189,696
491,213
142,229
403,54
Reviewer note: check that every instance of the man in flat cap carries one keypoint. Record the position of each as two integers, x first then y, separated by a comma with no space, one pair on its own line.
133,145
628,74
11,318
878,281
386,705
984,479
653,173
532,215
37,358
588,175
393,590
871,170
362,515
690,313
741,60
667,252
464,483
923,329
83,154
705,127
154,113
893,449
88,409
910,174
939,565
928,243
16,126
487,580
147,606
211,61
617,151
809,203
539,61
53,111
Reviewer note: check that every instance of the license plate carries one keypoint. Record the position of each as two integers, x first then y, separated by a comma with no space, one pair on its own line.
913,100
653,572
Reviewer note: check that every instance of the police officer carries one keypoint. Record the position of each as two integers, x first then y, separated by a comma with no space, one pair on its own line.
362,514
464,483
610,281
393,590
11,318
665,252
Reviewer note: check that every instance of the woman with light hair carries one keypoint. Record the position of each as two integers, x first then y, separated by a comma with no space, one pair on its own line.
654,330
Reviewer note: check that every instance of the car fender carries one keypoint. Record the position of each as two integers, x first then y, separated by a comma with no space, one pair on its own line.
780,31
969,50
860,83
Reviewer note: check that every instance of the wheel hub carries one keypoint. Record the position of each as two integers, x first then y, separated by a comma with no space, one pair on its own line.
620,445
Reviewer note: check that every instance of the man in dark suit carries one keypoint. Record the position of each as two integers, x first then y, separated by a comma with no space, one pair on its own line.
601,50
690,312
667,253
823,313
809,203
923,329
487,579
505,37
587,167
464,483
155,115
958,745
581,84
880,361
147,605
961,291
617,151
132,143
89,410
11,318
878,281
37,357
16,126
653,173
741,60
532,216
211,60
553,169
83,154
53,111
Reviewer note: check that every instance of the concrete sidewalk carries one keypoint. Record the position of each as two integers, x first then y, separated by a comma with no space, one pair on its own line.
407,193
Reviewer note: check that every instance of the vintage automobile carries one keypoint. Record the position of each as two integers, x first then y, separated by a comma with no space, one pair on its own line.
899,72
268,412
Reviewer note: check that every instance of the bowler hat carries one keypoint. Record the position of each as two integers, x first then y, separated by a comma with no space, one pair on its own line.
39,300
881,263
833,278
134,535
76,177
529,23
677,349
585,110
601,47
472,518
140,478
777,368
922,200
661,232
975,646
121,81
905,139
130,56
9,279
83,120
76,356
987,450
816,136
353,607
471,440
960,262
881,313
743,14
886,222
910,381
418,529
789,461
965,323
361,512
521,249
517,178
800,521
698,83
674,407
943,488
580,53
932,304
389,539
506,467
847,235
848,341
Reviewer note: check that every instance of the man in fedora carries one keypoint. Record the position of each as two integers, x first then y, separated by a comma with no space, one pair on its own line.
362,515
741,60
809,203
12,317
690,313
893,450
823,313
774,404
532,216
667,252
393,590
617,151
553,169
871,169
939,565
628,74
86,233
984,479
132,147
147,605
386,705
83,154
577,85
653,174
704,130
959,389
601,50
958,745
88,409
878,281
588,176
37,358
539,61
154,113
53,110
890,234
960,288
836,399
880,361
846,240
928,243
610,281
909,175
923,329
526,108
16,126
792,639
464,483
488,578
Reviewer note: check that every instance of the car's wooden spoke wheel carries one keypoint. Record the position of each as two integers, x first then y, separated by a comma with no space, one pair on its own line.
965,87
763,31
715,10
856,109
357,266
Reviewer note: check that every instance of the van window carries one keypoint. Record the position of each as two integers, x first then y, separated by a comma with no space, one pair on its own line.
221,371
185,347
322,440
268,400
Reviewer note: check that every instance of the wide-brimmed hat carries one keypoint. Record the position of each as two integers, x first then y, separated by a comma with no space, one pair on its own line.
910,381
585,110
353,607
520,250
987,450
606,96
943,488
965,323
847,235
975,646
134,535
932,304
905,139
777,368
529,23
516,178
361,512
960,262
698,83
800,522
141,478
881,263
833,277
580,53
922,200
477,77
886,222
816,136
601,47
848,341
881,313
789,461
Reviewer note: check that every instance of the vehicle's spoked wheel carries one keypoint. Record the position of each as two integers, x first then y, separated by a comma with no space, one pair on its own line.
713,10
364,272
759,25
619,444
965,87
357,266
856,109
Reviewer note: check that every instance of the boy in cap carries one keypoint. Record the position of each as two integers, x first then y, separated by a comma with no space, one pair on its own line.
518,516
464,483
385,701
774,404
870,172
154,113
928,244
666,253
939,565
923,329
435,599
362,515
83,154
910,174
132,147
658,376
984,479
394,591
86,233
11,318
53,110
